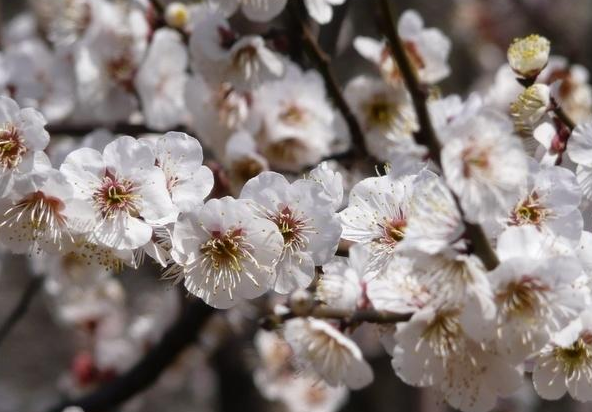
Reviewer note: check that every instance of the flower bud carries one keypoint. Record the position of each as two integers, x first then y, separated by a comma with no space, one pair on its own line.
301,302
177,15
529,55
530,107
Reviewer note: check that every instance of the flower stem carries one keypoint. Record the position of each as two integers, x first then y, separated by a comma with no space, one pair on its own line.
426,136
323,63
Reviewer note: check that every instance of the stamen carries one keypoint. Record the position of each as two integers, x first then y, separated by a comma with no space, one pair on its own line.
12,147
116,195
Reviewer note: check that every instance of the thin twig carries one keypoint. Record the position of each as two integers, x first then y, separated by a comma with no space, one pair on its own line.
323,63
183,333
21,307
117,129
564,117
426,136
345,316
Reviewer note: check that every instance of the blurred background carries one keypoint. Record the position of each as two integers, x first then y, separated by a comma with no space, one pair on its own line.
40,356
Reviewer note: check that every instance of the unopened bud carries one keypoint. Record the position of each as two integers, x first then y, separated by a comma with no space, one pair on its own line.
530,107
301,302
177,15
529,55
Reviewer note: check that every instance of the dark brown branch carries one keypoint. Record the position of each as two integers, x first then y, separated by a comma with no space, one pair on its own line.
117,129
323,63
330,33
345,316
180,335
564,117
21,307
426,136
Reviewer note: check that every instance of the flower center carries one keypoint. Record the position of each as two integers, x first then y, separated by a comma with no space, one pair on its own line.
288,151
380,112
246,59
574,358
393,231
292,115
316,395
442,334
293,228
122,70
231,105
529,211
526,297
245,169
116,195
474,159
36,217
224,255
12,148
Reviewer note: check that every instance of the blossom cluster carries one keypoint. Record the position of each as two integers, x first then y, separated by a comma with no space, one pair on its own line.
266,208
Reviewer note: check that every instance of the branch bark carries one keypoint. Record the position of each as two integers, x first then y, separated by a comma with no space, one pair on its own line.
117,129
21,307
426,136
345,316
323,63
180,335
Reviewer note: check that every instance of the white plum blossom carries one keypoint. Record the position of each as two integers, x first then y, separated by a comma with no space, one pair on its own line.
579,150
41,78
377,215
126,189
180,157
550,203
297,125
304,216
107,61
161,79
256,10
216,112
322,10
219,54
344,281
484,164
565,363
41,212
570,87
434,222
332,182
242,159
398,289
226,252
22,134
328,352
427,49
385,114
535,291
438,347
278,379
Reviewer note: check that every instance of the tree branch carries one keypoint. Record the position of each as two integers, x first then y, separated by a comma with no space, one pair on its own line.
426,136
21,307
564,117
323,63
180,335
345,316
117,129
